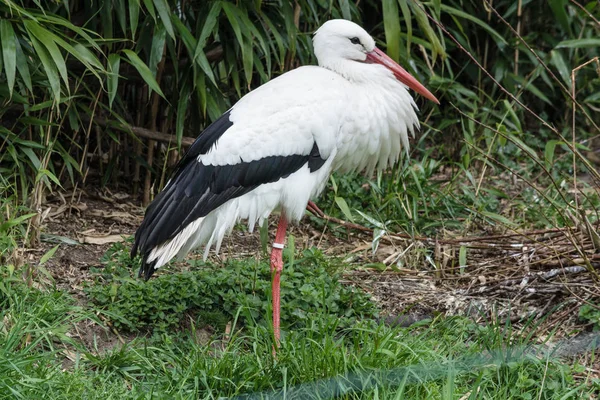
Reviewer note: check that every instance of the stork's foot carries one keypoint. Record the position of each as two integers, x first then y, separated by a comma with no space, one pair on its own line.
315,210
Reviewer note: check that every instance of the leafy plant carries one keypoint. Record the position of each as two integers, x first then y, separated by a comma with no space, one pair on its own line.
591,314
309,288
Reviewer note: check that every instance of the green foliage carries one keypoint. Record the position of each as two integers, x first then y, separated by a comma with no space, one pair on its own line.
591,314
449,358
309,288
42,356
65,64
13,223
34,331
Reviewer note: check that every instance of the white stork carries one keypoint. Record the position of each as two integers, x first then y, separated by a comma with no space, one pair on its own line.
278,145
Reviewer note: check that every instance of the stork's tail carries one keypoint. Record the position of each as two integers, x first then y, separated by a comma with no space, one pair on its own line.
147,268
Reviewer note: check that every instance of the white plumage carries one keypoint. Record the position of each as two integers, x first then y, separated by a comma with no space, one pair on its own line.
354,111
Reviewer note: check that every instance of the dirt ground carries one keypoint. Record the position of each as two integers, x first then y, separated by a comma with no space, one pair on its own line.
542,276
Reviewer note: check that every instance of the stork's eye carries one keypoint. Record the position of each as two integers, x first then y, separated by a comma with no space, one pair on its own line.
355,40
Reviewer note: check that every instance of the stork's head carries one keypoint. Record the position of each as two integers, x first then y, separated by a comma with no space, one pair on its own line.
339,40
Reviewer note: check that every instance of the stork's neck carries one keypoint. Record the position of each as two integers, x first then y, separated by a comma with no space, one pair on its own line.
356,71
378,121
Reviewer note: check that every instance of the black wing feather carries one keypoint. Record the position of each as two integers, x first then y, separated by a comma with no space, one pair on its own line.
197,189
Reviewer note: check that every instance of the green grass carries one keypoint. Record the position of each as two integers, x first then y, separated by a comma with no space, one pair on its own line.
446,358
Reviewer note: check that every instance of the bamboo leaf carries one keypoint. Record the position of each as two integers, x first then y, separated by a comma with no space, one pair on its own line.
345,7
81,32
182,106
87,58
165,15
134,15
260,68
119,6
529,86
213,109
290,28
144,71
252,34
150,8
247,53
230,58
45,173
343,205
558,61
202,61
200,85
391,25
408,22
49,254
231,11
423,22
43,105
106,19
35,161
16,221
47,39
513,115
498,218
248,61
578,43
278,40
9,52
549,152
1,62
437,7
84,55
158,48
114,63
461,14
49,67
524,147
209,24
188,39
372,220
199,55
559,9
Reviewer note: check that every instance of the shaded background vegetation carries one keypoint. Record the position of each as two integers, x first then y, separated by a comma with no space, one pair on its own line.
110,92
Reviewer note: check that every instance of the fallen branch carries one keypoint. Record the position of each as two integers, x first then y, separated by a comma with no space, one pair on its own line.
566,270
146,133
461,241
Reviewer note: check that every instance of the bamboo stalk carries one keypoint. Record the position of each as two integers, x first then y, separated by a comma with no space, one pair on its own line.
153,124
519,17
99,149
165,161
138,144
126,164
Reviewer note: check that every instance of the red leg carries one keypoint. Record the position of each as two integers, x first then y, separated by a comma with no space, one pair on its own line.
314,209
276,268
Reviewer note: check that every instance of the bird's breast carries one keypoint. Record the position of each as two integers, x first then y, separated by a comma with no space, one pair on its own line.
375,127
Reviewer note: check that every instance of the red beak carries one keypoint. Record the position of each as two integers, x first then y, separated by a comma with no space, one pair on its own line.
379,57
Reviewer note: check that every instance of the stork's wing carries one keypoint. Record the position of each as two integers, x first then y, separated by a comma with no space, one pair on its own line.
197,189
